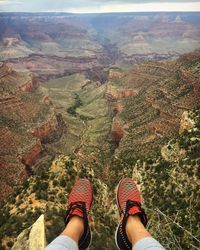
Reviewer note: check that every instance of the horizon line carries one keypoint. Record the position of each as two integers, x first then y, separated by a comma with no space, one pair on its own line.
114,12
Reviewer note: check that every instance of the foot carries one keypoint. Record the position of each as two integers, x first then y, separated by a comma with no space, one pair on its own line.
79,204
129,203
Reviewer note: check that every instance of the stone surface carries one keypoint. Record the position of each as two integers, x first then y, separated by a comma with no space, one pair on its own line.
37,238
32,238
22,241
186,122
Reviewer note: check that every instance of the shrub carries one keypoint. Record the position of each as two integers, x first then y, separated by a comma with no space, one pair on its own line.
55,183
63,182
9,243
2,247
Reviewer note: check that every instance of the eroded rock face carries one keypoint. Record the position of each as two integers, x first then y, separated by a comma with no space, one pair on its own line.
28,120
32,238
117,107
126,93
32,155
5,70
189,57
50,67
116,95
47,100
48,131
31,85
115,74
117,132
187,123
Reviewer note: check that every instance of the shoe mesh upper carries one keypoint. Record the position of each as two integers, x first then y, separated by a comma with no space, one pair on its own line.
127,190
79,204
81,192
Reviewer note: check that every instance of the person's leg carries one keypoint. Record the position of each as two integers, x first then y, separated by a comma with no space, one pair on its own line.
74,229
139,237
131,232
77,231
135,230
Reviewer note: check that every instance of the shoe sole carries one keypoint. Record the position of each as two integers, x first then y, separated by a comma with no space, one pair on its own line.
119,213
88,221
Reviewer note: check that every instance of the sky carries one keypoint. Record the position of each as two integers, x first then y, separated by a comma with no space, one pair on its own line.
98,6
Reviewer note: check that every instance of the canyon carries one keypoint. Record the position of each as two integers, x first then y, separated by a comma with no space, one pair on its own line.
98,96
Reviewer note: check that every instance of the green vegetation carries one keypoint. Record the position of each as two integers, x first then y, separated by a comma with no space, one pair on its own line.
78,103
170,187
170,193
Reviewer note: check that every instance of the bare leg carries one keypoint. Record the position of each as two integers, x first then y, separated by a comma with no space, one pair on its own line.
74,228
135,229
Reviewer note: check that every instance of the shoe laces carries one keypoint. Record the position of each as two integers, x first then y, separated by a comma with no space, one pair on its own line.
130,204
73,206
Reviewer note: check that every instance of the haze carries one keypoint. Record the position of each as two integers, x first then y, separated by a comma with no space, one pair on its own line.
89,6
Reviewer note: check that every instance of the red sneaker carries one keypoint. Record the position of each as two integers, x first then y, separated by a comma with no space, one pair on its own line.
129,203
80,201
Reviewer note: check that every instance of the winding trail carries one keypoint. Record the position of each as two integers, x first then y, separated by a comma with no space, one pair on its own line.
82,143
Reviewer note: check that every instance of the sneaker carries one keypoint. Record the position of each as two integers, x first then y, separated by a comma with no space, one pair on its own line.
129,203
79,204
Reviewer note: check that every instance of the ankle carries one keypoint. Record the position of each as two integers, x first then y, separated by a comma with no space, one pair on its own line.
74,228
135,230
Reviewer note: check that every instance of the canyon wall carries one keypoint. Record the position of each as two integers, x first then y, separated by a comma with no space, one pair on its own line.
28,122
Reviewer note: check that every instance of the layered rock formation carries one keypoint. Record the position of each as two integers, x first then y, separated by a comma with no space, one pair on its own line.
148,101
62,43
50,67
27,122
49,130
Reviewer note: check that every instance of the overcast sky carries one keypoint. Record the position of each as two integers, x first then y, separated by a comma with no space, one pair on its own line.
96,6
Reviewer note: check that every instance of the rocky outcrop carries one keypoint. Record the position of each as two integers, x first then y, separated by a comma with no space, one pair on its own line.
50,130
32,238
10,41
186,123
31,85
117,107
114,95
33,154
126,93
115,74
189,57
5,70
117,132
47,100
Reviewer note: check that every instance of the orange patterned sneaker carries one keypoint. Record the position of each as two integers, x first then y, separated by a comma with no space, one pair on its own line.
79,204
129,203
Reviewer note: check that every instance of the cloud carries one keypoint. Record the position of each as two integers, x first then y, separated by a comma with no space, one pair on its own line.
82,6
9,2
145,7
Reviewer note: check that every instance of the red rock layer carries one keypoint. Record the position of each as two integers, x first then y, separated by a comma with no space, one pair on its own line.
34,153
47,130
27,121
117,132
